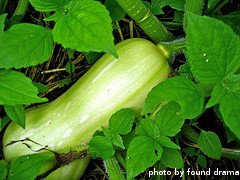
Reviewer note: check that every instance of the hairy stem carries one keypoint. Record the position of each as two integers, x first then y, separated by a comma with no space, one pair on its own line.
146,20
194,7
170,47
113,169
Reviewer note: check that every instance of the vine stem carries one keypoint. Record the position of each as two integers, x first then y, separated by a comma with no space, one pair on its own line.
3,4
189,133
19,12
171,47
146,20
113,169
194,7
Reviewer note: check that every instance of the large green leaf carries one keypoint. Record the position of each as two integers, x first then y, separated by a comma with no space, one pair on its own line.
49,5
168,120
121,121
100,146
181,90
25,45
213,50
15,88
227,94
142,153
26,167
86,26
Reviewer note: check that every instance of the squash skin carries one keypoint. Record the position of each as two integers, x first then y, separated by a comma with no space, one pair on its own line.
111,84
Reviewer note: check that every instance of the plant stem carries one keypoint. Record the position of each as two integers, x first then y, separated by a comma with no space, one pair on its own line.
3,4
169,48
19,12
121,160
231,153
220,6
146,20
194,7
21,8
113,169
189,133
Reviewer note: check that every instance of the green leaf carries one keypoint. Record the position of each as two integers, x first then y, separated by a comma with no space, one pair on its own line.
143,152
26,167
116,139
216,96
116,11
229,109
230,136
189,151
92,57
49,5
172,158
121,121
17,114
210,144
3,170
202,161
2,22
184,71
85,27
33,46
183,91
4,122
232,19
41,87
147,127
167,119
70,67
210,56
64,82
100,146
212,3
227,93
15,88
167,142
157,5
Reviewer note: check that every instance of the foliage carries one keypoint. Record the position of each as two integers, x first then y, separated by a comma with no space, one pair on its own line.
209,78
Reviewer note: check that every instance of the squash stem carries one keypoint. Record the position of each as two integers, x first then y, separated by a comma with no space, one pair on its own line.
113,169
146,20
194,7
190,134
159,167
121,160
3,4
169,48
220,6
19,12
